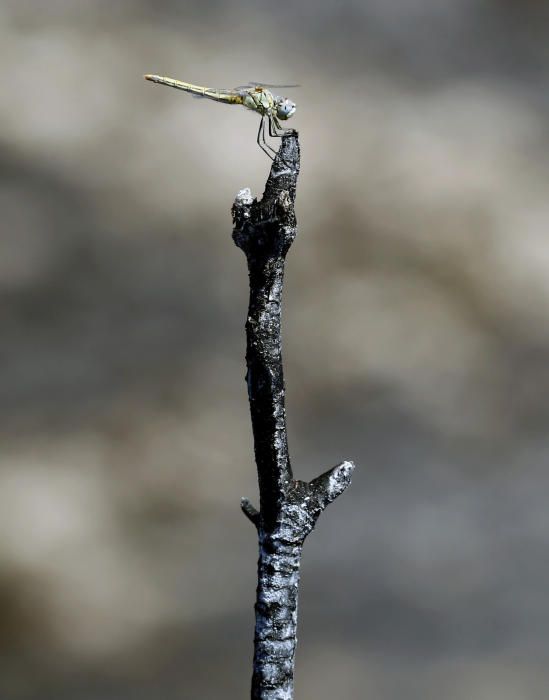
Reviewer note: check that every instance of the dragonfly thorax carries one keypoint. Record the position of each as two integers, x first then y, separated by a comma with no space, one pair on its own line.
259,100
264,102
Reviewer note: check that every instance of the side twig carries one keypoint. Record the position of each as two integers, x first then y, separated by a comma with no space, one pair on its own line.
289,508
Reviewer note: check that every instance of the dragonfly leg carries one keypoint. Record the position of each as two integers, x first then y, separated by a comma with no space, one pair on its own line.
265,139
275,130
273,123
261,138
272,128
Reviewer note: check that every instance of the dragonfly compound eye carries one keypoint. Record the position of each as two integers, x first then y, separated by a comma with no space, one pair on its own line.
285,109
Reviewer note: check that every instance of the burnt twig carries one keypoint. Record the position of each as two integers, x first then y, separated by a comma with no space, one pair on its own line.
265,230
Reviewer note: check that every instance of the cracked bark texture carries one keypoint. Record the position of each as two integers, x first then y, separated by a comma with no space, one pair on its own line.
289,508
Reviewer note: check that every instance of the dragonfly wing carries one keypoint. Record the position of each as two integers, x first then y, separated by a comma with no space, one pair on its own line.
274,85
253,85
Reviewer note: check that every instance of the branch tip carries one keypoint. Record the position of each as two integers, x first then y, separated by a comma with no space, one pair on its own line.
249,511
331,484
244,197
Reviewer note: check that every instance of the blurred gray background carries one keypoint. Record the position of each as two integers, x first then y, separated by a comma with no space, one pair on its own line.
416,342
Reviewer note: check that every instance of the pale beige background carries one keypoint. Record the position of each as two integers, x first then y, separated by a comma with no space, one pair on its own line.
416,342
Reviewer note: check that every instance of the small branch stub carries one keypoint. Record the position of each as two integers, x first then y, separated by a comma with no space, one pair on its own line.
289,508
250,511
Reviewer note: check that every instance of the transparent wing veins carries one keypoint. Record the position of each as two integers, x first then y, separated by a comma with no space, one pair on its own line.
267,85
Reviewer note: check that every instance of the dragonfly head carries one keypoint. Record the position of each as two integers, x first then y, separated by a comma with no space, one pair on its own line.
285,108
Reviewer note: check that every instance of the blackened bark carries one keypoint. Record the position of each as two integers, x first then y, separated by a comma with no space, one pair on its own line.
289,509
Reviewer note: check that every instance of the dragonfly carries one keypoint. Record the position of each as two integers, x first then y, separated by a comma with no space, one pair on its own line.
254,96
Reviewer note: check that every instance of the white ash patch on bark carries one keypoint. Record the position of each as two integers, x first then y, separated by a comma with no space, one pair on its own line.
244,196
338,479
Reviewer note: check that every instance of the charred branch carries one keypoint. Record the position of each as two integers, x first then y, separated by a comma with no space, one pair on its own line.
289,508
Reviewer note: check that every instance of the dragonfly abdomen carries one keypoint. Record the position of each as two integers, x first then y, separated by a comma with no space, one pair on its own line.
198,90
